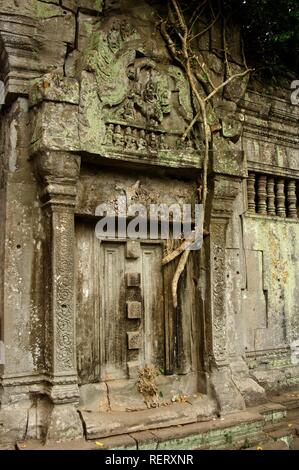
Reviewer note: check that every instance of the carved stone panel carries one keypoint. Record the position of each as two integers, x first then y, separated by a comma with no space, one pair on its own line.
120,308
131,106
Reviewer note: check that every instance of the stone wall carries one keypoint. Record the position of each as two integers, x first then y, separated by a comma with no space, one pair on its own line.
77,130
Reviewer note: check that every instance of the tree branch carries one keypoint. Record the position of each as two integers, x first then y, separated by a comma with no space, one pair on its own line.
222,85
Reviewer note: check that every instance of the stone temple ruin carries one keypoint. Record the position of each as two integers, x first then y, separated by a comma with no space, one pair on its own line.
92,345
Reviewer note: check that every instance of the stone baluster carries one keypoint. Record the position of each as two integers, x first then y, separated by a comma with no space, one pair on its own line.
271,196
251,193
262,195
280,198
292,199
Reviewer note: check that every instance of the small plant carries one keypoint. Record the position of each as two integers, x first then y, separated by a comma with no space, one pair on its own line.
147,386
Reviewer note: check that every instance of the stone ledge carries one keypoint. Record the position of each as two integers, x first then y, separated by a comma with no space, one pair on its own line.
272,412
104,424
232,431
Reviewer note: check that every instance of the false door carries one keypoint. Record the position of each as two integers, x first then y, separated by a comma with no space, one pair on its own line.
120,310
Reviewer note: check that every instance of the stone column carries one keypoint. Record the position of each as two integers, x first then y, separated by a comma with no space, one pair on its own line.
225,190
58,173
228,169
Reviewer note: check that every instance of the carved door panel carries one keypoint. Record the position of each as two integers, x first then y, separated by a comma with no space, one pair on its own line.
120,309
112,317
125,314
153,319
87,318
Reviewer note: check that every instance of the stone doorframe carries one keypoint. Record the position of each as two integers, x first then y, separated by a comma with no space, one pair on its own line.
58,173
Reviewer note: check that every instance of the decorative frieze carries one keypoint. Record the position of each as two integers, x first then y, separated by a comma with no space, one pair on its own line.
272,196
134,340
135,139
133,279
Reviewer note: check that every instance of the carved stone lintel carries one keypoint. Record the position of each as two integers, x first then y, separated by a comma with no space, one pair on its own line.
58,173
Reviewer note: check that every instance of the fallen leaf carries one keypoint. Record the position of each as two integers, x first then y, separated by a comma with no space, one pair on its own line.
259,448
99,444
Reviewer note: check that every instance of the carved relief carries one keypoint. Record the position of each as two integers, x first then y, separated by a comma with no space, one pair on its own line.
139,106
218,255
59,172
64,278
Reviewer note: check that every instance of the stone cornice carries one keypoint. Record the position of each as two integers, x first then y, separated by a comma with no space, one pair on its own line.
270,119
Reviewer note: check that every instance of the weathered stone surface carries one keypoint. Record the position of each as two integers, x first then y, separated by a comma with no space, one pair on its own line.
94,397
96,109
54,88
123,395
214,433
227,394
13,421
64,424
55,127
100,425
145,440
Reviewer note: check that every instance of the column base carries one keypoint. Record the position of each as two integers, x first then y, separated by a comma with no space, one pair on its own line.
253,393
228,396
64,424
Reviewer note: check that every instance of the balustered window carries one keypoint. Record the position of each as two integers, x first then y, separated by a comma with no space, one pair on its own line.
272,195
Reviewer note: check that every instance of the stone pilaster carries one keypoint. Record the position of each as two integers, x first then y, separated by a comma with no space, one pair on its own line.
58,173
224,187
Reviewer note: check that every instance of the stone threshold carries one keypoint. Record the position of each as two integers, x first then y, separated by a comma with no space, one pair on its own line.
232,431
104,424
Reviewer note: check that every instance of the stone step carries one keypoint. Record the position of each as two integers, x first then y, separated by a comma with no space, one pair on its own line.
289,399
105,424
232,431
265,426
272,412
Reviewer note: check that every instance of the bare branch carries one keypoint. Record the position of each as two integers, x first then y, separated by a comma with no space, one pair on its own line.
202,66
222,85
181,19
207,28
196,14
169,42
